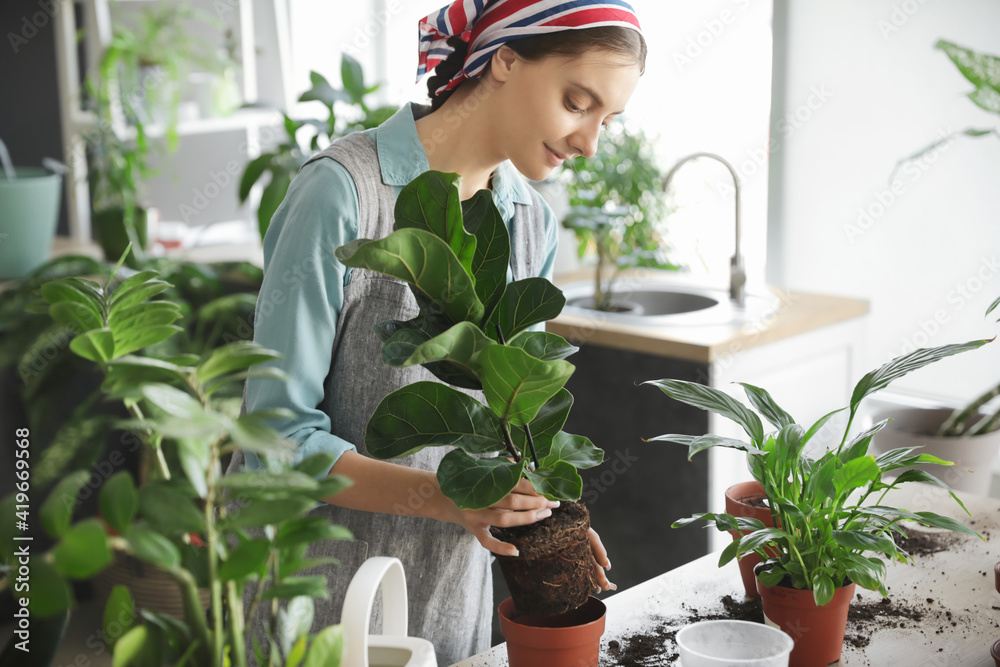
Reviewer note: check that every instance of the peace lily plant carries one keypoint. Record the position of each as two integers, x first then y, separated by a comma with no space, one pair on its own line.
827,510
190,521
472,332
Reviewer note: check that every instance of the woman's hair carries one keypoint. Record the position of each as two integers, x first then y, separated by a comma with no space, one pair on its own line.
615,39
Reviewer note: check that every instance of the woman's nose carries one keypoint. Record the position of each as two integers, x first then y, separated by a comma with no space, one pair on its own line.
585,140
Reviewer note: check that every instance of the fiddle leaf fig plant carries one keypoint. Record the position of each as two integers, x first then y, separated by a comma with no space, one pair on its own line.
474,331
825,524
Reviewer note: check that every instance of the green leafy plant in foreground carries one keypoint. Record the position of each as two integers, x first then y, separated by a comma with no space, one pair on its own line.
825,523
472,332
191,521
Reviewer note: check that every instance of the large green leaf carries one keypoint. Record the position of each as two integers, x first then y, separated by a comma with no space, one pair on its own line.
143,315
473,483
767,406
235,356
697,443
489,264
900,366
58,291
855,473
263,512
714,400
861,541
49,593
169,510
150,546
57,510
173,401
574,449
119,614
309,530
314,586
524,303
118,500
249,558
83,551
421,259
424,414
327,648
401,345
560,481
97,345
458,347
517,385
547,423
431,202
981,69
543,345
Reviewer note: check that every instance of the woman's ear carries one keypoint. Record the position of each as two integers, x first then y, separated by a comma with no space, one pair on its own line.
502,63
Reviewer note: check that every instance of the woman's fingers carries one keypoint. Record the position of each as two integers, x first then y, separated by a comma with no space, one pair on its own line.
493,544
601,561
600,553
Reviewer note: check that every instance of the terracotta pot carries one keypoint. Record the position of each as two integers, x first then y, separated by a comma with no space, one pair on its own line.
737,498
572,639
995,652
914,427
818,632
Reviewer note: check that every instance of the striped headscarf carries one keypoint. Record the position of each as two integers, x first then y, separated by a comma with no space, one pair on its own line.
487,24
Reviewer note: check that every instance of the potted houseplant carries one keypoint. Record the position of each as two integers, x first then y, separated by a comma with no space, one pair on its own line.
824,523
282,163
967,435
175,409
617,208
473,332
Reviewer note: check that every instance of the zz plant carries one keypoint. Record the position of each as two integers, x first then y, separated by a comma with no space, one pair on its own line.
825,522
474,332
191,521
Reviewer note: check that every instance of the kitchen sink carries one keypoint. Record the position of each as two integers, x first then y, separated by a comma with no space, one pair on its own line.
663,303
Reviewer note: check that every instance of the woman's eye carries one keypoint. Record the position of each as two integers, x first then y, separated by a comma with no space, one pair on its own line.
572,107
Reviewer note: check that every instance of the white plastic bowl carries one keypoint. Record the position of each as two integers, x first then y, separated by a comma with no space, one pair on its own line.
733,644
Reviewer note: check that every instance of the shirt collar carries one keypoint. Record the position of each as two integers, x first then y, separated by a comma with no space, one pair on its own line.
402,158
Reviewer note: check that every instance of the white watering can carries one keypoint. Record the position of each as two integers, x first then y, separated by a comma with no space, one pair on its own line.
392,648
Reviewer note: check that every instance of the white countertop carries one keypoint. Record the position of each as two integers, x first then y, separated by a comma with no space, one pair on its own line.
959,580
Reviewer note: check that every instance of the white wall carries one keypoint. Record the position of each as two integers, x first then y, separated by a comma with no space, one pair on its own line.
926,255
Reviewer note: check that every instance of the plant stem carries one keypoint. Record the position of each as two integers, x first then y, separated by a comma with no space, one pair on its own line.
194,615
958,419
510,443
211,540
531,444
236,625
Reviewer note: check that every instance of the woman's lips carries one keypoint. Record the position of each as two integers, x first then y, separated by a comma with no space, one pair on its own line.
555,159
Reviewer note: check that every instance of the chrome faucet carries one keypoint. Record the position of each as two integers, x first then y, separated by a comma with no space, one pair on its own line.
737,273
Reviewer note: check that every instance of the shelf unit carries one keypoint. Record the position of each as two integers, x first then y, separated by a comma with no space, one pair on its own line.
205,145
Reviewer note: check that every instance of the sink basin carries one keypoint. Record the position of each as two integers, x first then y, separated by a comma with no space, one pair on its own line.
658,303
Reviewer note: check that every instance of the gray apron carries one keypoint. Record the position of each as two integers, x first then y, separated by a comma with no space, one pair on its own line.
448,574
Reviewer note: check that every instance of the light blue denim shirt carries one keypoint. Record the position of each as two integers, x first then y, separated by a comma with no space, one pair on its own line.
301,297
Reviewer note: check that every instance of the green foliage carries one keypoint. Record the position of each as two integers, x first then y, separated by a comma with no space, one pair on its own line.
618,206
827,525
177,413
472,332
346,112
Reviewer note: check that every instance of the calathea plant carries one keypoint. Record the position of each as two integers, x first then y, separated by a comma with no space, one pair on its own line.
472,332
191,521
824,522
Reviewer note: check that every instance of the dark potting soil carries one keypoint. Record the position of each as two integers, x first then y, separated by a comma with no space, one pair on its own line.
923,543
554,572
657,645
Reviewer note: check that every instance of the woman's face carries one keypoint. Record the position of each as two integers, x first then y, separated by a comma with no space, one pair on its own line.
553,109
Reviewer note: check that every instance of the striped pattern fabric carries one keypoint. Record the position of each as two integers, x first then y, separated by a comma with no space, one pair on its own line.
487,24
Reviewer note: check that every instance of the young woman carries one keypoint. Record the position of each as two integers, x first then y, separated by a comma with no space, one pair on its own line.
519,86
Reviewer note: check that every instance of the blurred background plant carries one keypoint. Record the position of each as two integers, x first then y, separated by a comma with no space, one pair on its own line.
618,207
202,529
138,83
346,111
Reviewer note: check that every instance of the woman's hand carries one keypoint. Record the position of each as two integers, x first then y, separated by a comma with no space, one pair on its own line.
523,505
601,562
